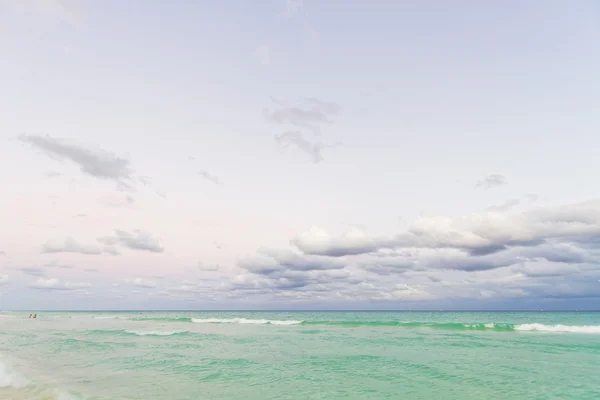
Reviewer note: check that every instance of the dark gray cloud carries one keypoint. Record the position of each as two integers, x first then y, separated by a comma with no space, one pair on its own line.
285,270
545,252
491,181
70,245
274,260
138,240
209,177
96,163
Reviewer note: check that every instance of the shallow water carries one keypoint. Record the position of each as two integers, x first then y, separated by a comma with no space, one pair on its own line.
300,355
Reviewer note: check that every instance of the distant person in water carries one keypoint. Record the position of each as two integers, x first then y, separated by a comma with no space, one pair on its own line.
30,315
34,315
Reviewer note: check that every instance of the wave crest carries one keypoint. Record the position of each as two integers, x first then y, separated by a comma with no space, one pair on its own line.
155,333
9,378
558,328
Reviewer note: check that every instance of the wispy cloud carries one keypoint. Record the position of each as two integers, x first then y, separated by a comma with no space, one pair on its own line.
296,139
310,116
208,176
491,181
138,240
70,245
56,284
96,163
142,283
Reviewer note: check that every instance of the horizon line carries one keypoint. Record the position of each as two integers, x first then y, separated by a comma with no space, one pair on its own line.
304,310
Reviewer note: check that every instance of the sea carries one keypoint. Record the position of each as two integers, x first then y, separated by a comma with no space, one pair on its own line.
299,355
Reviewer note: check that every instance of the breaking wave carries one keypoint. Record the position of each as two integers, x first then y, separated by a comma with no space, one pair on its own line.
128,332
155,333
14,386
558,328
453,326
9,378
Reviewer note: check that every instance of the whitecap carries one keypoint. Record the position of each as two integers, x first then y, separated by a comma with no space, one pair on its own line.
155,333
558,328
9,378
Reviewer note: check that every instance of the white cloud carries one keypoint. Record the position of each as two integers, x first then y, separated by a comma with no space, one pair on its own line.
317,241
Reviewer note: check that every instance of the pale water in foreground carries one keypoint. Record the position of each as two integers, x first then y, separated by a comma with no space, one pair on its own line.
300,355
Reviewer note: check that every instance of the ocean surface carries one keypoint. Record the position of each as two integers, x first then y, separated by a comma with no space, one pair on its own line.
299,355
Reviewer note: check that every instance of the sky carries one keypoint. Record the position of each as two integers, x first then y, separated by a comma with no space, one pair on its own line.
299,154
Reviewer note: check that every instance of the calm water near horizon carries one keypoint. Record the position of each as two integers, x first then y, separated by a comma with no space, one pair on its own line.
299,355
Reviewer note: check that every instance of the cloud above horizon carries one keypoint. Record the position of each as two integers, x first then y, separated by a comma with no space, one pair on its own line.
96,163
541,252
56,284
138,240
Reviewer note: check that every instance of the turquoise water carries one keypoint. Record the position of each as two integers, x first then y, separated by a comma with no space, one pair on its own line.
300,355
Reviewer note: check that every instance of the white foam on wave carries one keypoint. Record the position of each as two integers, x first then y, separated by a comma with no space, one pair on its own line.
244,321
155,333
558,328
9,378
67,396
106,317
